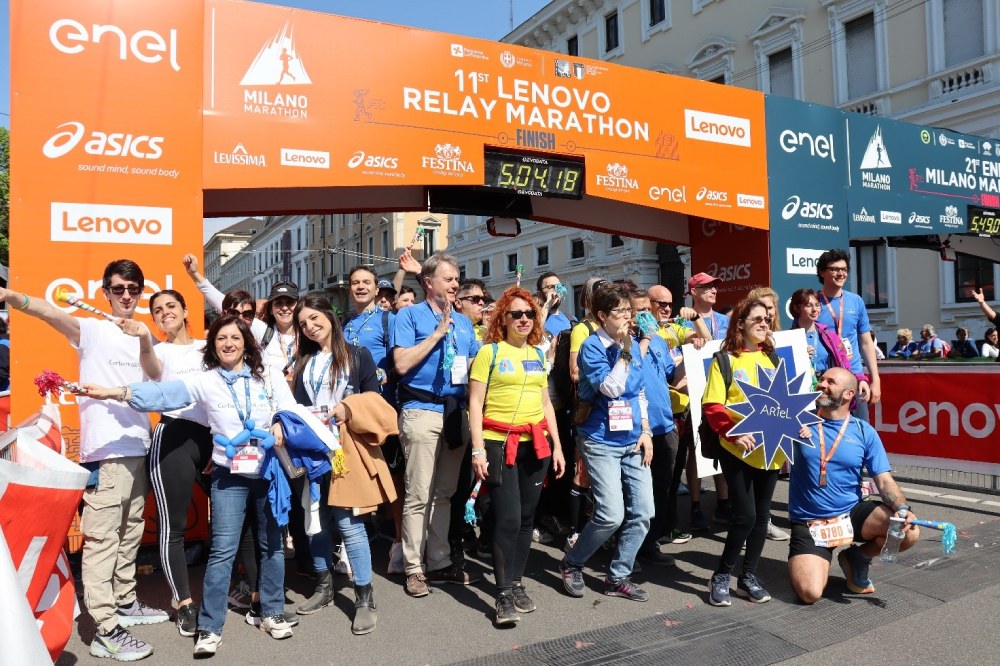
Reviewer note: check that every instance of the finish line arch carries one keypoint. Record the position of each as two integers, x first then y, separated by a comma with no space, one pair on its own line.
133,120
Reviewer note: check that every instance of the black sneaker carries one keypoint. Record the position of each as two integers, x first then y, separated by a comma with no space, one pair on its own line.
624,587
187,620
572,578
555,526
506,611
522,602
698,522
656,557
750,588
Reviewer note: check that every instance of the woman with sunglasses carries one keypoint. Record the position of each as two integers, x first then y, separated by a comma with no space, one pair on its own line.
750,479
616,442
509,413
325,370
371,328
275,333
237,395
182,442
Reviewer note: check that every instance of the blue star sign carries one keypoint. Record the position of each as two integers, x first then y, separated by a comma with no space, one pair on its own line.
773,414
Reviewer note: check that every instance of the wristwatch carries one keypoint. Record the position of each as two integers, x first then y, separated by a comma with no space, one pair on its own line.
696,317
626,356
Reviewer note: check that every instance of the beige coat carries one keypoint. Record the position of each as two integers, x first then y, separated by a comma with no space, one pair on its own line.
367,482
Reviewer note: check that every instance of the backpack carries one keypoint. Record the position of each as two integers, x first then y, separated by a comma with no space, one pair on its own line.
711,446
945,347
560,377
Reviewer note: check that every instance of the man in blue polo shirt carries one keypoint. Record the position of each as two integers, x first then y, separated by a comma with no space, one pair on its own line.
555,322
845,312
825,504
432,346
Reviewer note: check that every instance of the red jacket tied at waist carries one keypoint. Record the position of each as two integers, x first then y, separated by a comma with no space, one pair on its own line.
514,432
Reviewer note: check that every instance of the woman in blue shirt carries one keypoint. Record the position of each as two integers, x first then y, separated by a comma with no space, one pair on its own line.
617,447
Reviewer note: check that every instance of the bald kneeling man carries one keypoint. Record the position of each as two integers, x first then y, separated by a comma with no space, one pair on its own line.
825,503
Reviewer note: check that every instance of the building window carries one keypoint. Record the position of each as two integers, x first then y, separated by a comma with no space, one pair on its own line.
577,297
616,241
573,46
779,70
461,272
657,11
963,31
872,274
484,268
712,60
386,250
973,273
859,39
576,249
512,263
428,242
542,256
371,249
612,38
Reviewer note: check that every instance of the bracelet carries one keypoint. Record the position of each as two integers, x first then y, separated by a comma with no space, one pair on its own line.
478,452
121,398
27,302
903,507
647,431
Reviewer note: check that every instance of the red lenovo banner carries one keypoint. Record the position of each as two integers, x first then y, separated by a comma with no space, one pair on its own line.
735,254
944,412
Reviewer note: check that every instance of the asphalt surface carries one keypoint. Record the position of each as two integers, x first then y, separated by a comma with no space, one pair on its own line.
952,620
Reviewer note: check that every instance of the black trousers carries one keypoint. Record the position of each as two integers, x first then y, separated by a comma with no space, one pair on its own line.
662,471
750,492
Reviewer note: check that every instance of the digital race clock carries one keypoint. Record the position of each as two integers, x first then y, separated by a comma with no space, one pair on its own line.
533,175
984,222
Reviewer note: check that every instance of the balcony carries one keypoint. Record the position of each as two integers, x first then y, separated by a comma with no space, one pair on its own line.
963,79
336,280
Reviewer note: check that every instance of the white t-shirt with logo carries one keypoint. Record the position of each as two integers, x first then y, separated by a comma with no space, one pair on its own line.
108,428
181,362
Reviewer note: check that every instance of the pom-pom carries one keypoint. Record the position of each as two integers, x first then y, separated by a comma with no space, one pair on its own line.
647,323
339,463
52,383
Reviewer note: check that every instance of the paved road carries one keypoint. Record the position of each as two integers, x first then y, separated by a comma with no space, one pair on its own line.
911,618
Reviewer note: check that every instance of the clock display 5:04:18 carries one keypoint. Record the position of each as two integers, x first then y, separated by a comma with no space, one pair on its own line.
539,177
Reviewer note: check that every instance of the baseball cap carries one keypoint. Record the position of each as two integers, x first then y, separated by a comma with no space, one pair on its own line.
286,289
701,280
385,284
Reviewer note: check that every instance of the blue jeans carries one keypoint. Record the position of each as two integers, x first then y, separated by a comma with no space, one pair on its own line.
352,530
231,495
623,496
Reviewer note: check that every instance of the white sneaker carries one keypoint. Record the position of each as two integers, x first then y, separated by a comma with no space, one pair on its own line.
541,536
776,533
277,626
396,565
207,643
571,541
343,565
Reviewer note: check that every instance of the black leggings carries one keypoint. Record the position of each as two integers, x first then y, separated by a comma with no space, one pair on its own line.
662,471
181,449
513,504
556,493
750,492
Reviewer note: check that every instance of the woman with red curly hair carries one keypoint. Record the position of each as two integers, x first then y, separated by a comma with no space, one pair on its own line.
509,413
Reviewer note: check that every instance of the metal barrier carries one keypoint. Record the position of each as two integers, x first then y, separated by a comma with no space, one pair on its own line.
948,478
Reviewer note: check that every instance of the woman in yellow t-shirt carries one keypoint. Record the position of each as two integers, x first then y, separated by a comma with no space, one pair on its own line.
509,416
751,481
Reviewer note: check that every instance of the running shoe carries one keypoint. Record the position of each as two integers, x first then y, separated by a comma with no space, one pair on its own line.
718,590
506,611
522,602
139,613
776,534
207,644
855,566
572,578
120,646
625,588
241,596
750,588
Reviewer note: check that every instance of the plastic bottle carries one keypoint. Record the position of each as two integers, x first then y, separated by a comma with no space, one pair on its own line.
890,551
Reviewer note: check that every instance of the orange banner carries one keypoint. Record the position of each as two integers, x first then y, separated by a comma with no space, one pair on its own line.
299,99
105,137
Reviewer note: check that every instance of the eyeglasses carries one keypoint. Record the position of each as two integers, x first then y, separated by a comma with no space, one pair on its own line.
621,311
518,314
839,270
662,304
478,300
708,287
759,320
119,289
245,314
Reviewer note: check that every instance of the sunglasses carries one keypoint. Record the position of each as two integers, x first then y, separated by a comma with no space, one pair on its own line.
662,304
245,314
518,314
119,289
478,300
759,320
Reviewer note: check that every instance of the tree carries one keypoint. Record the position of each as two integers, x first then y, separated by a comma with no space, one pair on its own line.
4,194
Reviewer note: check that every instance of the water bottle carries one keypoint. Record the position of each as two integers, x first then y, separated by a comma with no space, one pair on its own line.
890,551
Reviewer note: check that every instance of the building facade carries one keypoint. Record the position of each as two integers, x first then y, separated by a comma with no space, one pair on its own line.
931,62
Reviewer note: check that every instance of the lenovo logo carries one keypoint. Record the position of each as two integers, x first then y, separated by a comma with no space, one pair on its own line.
717,128
110,223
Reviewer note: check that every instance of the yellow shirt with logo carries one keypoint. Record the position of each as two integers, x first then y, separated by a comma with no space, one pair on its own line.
744,368
580,333
674,334
514,390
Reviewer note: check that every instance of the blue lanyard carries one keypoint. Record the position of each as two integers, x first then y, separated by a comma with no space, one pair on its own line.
357,332
450,343
317,383
236,402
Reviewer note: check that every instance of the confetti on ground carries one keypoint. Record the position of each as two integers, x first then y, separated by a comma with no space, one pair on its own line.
581,644
671,623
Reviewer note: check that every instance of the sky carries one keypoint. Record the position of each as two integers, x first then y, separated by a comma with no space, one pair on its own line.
486,19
